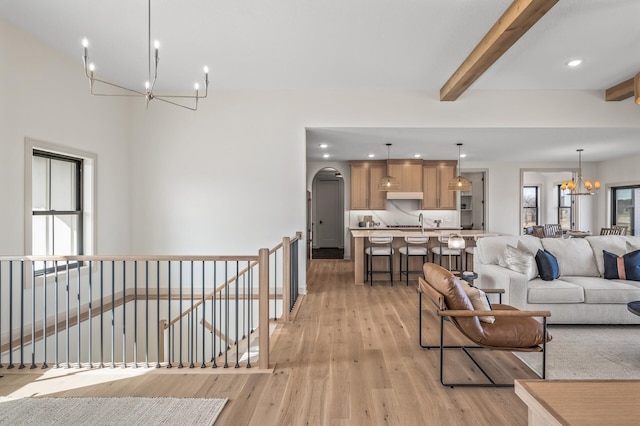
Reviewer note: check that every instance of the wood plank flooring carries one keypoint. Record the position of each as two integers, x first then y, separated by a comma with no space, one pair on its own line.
351,357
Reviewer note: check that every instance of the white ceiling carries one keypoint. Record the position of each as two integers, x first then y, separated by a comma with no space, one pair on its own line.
351,45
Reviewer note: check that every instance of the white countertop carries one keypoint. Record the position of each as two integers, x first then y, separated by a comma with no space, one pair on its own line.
398,232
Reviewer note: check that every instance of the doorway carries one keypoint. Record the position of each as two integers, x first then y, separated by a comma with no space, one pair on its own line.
472,203
327,222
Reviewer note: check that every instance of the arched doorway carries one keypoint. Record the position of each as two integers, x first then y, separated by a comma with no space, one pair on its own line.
327,214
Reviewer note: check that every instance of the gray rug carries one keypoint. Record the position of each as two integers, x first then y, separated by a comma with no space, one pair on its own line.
590,352
110,411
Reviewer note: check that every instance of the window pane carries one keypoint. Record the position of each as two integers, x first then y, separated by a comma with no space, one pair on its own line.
65,235
39,179
530,197
41,238
624,208
565,200
63,185
564,214
530,217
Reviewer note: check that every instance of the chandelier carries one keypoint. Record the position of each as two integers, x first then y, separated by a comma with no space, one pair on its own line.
388,183
459,183
581,186
149,85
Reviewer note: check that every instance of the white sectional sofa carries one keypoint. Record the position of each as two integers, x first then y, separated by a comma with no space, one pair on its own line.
579,296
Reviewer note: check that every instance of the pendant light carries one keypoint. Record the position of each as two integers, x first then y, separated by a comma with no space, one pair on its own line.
580,187
459,183
388,183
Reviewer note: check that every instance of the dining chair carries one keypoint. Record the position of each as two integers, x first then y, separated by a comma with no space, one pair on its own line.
619,230
552,230
538,231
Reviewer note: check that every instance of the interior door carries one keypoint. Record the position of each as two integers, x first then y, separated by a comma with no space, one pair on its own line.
328,221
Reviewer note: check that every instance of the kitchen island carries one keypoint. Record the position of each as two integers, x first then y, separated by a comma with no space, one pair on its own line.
359,240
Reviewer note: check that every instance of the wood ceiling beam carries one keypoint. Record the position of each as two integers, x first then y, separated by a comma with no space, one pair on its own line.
626,89
519,17
620,91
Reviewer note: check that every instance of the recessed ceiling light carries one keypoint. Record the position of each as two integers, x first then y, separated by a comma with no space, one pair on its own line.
323,145
325,155
574,62
463,155
371,155
417,155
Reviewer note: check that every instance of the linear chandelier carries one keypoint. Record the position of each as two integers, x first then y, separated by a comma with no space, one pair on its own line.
581,186
149,85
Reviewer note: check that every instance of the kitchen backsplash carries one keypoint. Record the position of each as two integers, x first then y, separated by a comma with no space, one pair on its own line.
406,212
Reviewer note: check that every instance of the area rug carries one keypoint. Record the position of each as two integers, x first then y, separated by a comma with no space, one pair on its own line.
110,411
590,352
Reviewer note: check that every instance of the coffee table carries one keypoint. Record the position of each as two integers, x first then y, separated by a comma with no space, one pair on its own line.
634,307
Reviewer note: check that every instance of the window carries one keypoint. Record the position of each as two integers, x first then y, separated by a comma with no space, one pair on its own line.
57,213
530,205
565,207
625,209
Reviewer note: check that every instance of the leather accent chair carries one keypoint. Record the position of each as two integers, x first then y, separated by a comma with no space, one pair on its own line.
512,330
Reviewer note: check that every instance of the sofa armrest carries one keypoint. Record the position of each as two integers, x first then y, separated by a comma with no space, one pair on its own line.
513,283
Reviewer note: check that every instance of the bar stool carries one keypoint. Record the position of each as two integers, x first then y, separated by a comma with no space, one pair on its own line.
415,246
442,249
379,245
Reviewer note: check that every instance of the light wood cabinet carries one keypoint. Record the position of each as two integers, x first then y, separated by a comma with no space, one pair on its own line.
408,173
365,176
436,176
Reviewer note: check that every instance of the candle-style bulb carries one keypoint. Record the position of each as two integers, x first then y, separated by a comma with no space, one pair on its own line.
85,42
196,86
92,67
156,45
206,69
146,85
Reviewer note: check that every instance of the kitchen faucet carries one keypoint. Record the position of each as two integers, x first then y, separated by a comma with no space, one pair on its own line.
421,219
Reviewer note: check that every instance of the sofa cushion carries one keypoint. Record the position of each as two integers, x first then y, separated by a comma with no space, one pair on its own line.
575,256
615,244
491,249
547,265
626,267
479,301
557,291
600,290
520,260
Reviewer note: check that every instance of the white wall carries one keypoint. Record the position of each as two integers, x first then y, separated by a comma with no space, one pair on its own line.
45,96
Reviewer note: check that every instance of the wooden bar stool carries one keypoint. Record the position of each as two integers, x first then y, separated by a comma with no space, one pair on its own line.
379,245
414,246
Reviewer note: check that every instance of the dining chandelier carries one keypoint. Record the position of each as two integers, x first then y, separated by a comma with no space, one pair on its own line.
149,85
580,186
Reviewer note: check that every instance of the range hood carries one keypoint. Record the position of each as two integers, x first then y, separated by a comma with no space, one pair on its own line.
398,195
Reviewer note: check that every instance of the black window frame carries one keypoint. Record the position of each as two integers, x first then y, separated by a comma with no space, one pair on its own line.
561,207
614,207
78,202
537,207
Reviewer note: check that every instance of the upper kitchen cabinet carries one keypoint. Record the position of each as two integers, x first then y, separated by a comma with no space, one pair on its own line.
365,176
436,176
408,173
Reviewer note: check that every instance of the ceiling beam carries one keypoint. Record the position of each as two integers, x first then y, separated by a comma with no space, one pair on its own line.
519,17
636,84
620,91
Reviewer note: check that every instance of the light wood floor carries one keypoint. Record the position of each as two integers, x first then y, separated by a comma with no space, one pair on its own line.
351,357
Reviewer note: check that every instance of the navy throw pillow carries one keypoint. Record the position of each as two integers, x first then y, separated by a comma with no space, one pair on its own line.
547,265
625,267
